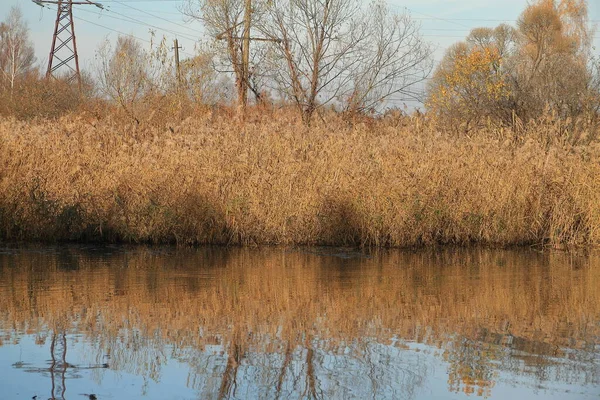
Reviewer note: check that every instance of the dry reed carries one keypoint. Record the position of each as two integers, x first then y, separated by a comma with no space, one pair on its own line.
211,179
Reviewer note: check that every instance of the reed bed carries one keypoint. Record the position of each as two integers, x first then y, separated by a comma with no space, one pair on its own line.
210,179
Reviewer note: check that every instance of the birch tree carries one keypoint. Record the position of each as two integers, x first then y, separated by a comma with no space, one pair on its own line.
16,50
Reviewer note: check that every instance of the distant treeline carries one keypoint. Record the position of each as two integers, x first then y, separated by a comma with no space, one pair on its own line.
315,57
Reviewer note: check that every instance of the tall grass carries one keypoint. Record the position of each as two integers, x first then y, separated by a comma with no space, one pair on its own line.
269,180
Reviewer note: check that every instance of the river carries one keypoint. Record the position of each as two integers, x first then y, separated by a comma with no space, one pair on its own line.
120,322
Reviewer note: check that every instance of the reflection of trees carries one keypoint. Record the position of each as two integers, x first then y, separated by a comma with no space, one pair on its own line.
314,369
229,382
294,323
470,368
287,358
58,369
58,365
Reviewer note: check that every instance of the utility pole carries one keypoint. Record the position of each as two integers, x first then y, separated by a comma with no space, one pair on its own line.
176,47
59,365
246,39
63,52
246,53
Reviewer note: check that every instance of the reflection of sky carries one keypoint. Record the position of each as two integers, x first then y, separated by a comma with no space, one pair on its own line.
444,352
22,383
357,370
443,22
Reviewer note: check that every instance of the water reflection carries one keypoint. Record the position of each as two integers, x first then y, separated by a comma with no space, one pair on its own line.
240,323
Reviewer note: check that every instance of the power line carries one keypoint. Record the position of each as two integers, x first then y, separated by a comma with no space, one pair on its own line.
129,34
188,36
158,17
445,36
127,18
453,20
445,30
114,30
468,19
477,19
141,1
147,10
436,18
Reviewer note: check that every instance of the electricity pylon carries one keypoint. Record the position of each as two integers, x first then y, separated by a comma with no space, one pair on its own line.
63,52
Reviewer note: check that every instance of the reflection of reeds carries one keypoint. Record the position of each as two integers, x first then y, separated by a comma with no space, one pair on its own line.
273,182
283,295
293,304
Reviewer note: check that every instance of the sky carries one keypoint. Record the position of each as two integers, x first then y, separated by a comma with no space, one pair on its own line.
443,22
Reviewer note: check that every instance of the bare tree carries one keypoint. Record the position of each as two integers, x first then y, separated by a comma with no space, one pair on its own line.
224,21
202,82
394,60
16,50
337,51
316,40
123,75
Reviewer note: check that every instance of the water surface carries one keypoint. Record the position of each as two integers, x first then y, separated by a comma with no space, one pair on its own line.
159,323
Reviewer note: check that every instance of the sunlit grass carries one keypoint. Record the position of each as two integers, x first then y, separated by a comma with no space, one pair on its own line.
270,180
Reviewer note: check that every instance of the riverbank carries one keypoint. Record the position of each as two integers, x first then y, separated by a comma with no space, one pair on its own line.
396,182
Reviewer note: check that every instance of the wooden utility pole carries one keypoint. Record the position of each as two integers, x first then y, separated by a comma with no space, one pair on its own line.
176,47
246,39
246,53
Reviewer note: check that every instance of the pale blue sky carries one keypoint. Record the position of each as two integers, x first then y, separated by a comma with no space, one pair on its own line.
443,21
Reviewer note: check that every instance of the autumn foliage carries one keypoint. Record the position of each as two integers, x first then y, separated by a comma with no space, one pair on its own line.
471,86
543,65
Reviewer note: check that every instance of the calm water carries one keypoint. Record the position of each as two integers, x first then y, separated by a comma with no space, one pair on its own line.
158,323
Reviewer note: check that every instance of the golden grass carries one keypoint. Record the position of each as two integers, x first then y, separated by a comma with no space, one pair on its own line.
211,179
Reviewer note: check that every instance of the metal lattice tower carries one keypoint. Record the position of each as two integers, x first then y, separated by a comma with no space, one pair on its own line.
63,53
